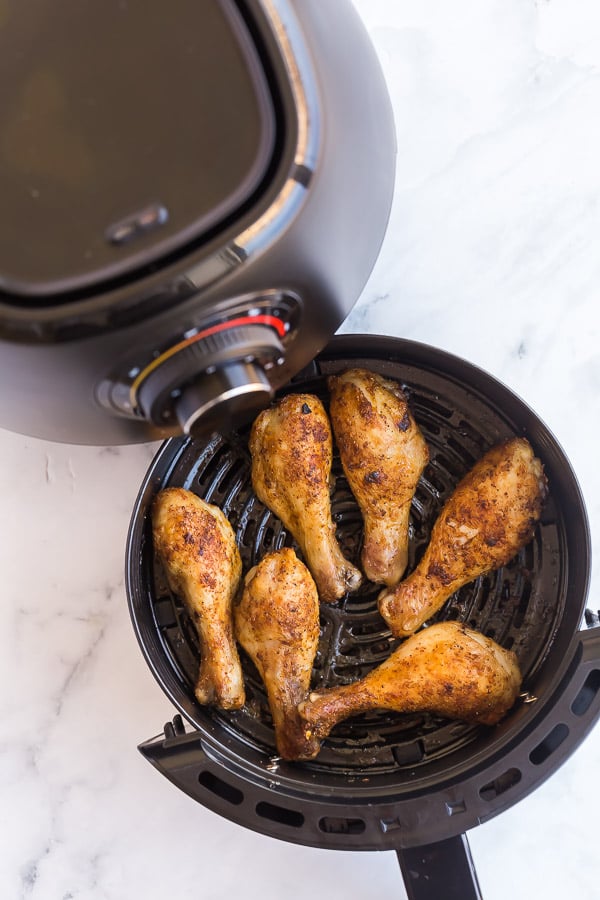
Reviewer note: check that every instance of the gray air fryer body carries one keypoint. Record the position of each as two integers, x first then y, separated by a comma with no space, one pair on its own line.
193,199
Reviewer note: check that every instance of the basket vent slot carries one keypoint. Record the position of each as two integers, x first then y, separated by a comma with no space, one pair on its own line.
500,785
339,825
279,814
221,788
585,697
551,742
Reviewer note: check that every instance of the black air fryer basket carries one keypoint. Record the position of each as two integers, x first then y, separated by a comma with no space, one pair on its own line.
412,783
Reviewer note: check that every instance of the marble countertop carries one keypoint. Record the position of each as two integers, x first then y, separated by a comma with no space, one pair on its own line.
492,253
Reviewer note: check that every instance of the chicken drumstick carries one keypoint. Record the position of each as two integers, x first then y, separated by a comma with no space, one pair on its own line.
197,547
446,669
489,517
383,454
277,624
291,448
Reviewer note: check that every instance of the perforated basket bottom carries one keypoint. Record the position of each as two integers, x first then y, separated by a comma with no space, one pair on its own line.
518,606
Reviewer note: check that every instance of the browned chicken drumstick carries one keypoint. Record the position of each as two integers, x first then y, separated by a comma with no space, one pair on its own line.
383,454
446,669
292,449
197,547
489,517
277,624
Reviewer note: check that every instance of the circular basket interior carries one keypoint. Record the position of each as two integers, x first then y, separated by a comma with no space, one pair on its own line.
533,605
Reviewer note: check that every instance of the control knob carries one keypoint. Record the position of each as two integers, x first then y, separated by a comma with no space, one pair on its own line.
211,382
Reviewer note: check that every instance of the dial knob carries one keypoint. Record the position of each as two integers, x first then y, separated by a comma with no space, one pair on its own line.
228,397
213,383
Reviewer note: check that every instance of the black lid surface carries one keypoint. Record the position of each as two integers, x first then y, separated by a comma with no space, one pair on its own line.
127,127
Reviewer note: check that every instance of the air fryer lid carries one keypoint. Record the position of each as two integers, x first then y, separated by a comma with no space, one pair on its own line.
382,780
126,129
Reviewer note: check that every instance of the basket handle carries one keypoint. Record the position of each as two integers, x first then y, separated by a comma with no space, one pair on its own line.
443,869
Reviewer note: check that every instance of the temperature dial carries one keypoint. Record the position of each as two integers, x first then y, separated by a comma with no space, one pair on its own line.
211,382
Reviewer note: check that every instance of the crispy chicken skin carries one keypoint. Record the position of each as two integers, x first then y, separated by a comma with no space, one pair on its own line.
383,454
446,669
484,523
277,624
292,448
196,545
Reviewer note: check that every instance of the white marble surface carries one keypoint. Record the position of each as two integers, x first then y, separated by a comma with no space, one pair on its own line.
492,253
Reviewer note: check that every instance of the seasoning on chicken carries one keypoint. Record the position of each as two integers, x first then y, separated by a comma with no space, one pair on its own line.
292,449
490,516
196,545
383,454
446,669
277,624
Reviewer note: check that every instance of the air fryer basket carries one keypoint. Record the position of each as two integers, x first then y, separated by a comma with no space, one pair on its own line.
383,780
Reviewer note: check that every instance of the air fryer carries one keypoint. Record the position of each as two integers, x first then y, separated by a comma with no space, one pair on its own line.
193,198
